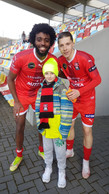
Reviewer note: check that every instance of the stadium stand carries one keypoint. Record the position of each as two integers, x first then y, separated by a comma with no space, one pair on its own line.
84,27
6,55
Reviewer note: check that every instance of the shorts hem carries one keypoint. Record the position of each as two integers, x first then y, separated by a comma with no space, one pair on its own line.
33,109
22,113
74,119
86,124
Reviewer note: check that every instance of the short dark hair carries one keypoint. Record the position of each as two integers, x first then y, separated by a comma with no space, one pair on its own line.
46,29
65,34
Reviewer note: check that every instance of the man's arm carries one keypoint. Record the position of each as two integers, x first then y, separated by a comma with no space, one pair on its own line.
11,83
95,78
75,93
92,72
95,82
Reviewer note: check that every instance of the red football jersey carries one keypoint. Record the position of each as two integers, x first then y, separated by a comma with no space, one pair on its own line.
82,73
28,68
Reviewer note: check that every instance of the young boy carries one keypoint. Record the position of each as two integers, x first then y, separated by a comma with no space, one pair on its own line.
54,117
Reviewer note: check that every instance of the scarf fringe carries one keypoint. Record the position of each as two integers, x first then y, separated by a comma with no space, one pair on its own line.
44,126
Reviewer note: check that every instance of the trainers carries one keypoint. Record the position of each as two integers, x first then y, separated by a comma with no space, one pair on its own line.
41,154
46,175
85,169
61,180
16,163
69,153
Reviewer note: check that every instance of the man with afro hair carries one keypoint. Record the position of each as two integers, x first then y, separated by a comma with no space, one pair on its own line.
24,80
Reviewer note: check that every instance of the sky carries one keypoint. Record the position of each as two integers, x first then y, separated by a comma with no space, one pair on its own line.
13,21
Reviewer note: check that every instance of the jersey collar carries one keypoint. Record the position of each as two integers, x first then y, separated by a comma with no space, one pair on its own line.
73,56
34,51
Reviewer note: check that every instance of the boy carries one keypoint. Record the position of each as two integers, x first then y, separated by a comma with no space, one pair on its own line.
54,118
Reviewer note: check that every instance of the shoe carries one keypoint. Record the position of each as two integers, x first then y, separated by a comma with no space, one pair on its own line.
85,169
16,163
61,180
41,154
46,175
69,153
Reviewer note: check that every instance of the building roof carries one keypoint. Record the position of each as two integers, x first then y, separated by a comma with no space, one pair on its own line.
60,10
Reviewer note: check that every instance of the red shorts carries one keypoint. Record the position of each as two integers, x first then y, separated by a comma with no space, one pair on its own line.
87,111
26,101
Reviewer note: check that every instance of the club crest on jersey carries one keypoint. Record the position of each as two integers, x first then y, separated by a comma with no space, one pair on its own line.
31,65
45,107
76,65
64,66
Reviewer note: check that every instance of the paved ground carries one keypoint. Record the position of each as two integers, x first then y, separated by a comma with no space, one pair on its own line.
27,178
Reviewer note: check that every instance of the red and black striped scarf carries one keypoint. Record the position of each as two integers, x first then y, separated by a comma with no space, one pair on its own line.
46,104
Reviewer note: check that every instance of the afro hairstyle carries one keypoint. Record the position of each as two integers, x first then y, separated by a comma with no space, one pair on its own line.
46,29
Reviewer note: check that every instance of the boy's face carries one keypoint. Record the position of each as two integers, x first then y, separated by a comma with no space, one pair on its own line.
42,44
49,76
66,47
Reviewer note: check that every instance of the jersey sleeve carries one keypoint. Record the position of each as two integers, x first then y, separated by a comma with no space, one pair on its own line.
16,64
92,71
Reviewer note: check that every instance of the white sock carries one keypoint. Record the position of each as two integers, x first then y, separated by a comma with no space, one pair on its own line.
86,165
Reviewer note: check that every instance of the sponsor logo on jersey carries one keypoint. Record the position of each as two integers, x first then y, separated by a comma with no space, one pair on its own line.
33,84
92,68
35,78
89,116
31,65
64,66
76,65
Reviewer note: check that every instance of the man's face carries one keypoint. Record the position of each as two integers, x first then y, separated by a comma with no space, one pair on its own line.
42,44
66,47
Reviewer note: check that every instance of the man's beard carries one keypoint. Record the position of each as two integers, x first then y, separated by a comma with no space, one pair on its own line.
41,54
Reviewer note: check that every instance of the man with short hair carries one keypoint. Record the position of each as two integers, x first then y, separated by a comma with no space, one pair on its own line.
24,81
79,68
